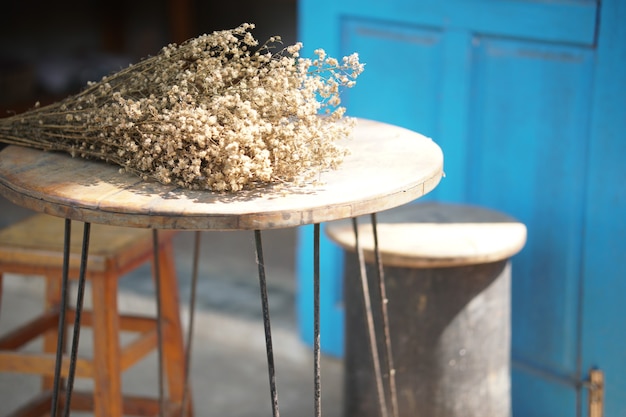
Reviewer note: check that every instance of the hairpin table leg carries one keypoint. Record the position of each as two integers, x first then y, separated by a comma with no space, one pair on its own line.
369,316
79,309
316,320
266,322
61,325
385,315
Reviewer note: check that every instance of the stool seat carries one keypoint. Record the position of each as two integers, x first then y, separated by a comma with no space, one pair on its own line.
37,241
34,247
436,235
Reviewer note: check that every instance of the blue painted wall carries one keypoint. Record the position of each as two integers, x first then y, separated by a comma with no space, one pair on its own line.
528,101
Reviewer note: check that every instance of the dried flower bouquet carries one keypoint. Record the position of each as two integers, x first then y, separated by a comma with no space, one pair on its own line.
218,112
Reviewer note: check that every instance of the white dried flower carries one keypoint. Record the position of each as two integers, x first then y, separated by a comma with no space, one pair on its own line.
218,112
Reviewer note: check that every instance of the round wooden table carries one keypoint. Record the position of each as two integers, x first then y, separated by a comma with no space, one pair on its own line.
388,166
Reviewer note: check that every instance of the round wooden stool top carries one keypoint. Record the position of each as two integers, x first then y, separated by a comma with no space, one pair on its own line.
427,235
388,166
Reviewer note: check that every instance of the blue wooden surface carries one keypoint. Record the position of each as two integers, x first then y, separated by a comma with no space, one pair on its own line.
527,101
527,156
604,246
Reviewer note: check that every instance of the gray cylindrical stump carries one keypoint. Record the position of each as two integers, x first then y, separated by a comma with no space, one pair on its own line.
449,311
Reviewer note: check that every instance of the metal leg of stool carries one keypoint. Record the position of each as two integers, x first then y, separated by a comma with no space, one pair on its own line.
266,323
385,315
61,325
79,309
370,323
157,284
316,321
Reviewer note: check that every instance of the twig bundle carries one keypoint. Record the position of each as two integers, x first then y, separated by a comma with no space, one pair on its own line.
217,112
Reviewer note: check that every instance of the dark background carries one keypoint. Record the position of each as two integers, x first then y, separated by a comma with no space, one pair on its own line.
49,50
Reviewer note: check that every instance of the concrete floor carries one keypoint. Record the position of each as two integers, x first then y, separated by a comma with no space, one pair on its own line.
229,368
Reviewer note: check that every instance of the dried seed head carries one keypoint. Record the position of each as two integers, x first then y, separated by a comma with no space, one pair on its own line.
219,112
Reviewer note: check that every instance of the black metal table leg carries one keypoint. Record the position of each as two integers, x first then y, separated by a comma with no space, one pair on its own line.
316,321
61,324
77,319
369,316
79,309
383,395
393,396
266,323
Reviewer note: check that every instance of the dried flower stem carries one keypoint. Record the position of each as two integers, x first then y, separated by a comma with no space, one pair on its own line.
218,112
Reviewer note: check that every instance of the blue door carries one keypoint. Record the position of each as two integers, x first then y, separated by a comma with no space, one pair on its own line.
527,99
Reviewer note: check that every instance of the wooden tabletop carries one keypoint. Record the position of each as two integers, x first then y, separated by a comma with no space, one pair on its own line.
388,166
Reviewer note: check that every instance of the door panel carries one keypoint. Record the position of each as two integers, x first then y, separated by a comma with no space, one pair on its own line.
566,22
512,91
527,156
524,148
542,395
398,59
603,323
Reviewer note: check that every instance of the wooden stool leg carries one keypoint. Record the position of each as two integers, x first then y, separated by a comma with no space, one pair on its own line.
173,347
52,300
106,348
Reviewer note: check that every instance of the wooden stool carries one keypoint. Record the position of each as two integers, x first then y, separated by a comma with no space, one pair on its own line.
35,247
447,274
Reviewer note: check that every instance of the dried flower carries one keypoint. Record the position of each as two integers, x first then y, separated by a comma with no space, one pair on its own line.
218,112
